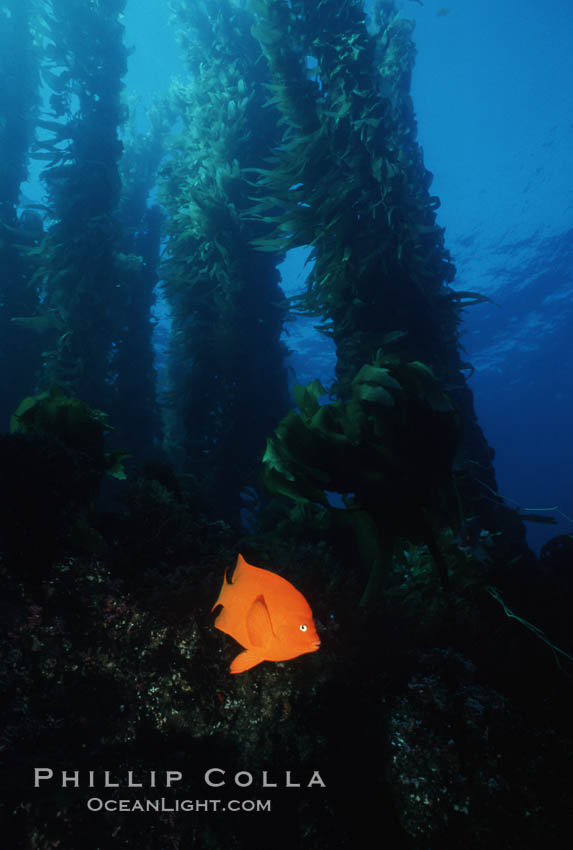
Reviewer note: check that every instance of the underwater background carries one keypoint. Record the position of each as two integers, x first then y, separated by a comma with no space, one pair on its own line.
291,279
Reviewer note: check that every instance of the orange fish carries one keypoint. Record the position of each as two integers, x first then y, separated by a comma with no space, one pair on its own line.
266,615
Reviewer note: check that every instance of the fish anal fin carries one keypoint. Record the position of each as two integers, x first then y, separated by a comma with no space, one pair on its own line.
259,626
244,661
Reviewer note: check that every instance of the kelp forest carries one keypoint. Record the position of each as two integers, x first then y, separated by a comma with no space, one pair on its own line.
437,708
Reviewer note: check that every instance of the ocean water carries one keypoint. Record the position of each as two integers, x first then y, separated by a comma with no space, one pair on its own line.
495,119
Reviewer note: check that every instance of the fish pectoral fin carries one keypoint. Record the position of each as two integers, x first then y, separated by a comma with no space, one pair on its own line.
245,660
259,626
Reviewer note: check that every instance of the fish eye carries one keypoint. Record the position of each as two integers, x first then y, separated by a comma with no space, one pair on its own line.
303,628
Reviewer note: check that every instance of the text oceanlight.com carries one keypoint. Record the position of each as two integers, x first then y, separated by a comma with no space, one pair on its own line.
97,804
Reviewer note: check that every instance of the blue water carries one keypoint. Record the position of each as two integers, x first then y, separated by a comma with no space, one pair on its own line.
495,110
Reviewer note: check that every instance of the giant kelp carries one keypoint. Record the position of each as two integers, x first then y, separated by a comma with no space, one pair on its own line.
95,270
77,270
228,382
19,81
349,180
388,451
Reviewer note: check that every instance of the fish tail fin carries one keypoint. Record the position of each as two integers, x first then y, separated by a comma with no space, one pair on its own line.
244,661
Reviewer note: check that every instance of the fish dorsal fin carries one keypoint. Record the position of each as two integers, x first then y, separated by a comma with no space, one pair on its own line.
259,626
